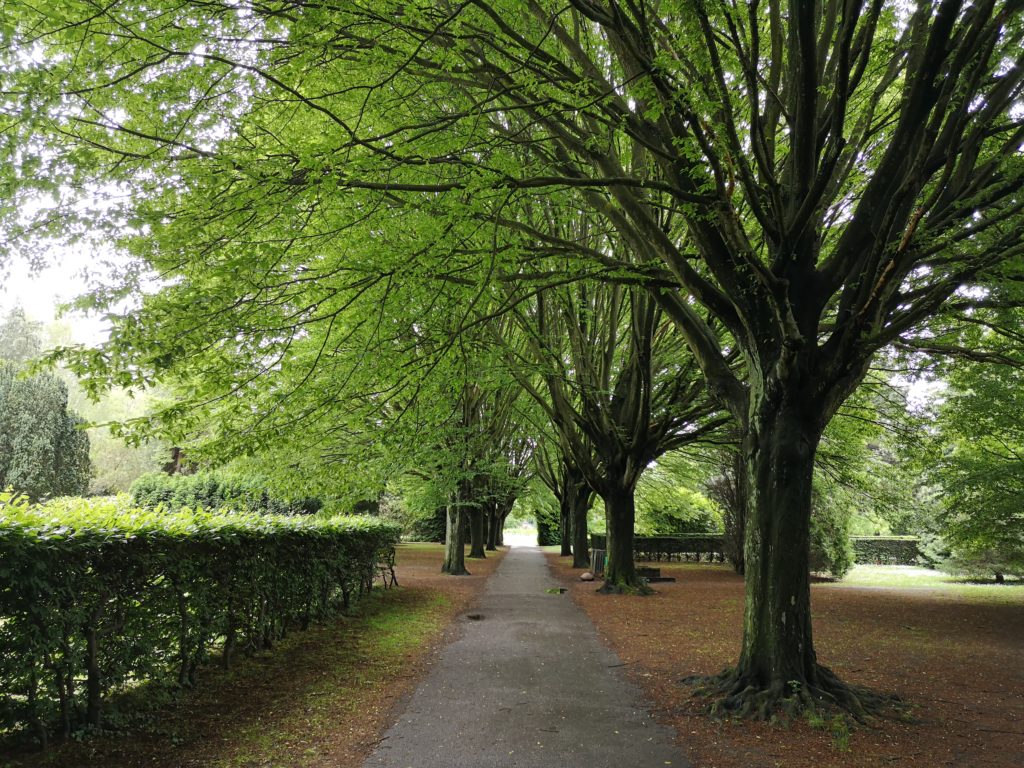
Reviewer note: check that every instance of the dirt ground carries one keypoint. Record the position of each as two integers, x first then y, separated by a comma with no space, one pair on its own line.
959,664
322,698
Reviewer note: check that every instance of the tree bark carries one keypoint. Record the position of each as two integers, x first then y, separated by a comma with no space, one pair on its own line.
778,664
620,515
580,534
777,644
565,523
476,532
736,514
493,522
454,541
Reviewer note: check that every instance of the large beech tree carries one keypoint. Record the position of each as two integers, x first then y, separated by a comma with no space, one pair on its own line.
805,182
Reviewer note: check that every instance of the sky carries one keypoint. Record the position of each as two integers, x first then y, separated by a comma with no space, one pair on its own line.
41,292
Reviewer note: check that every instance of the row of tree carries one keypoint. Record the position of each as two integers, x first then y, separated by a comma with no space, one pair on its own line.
665,222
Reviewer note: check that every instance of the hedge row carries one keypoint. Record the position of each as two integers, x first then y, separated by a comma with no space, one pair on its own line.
881,550
213,490
97,596
886,550
655,548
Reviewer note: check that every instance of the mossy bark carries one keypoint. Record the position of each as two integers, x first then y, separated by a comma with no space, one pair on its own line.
454,542
777,641
778,667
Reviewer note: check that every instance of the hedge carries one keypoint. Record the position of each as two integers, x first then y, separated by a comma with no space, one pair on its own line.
214,490
97,596
655,548
882,550
886,550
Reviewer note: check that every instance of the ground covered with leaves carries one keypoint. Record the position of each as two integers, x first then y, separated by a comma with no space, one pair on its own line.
321,698
953,654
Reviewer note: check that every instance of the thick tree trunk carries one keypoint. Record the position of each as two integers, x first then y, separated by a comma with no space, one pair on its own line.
778,665
476,532
454,541
777,643
580,534
619,567
499,536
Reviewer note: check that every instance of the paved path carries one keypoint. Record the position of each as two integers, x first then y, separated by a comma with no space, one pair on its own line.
527,685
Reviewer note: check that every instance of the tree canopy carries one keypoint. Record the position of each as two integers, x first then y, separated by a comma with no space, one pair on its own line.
796,185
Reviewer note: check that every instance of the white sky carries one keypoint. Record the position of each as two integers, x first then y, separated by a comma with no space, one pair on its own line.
40,292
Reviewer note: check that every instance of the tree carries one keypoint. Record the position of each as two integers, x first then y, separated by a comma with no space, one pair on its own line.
805,184
979,463
44,450
20,338
619,389
558,471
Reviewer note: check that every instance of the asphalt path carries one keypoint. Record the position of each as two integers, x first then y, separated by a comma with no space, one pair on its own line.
526,684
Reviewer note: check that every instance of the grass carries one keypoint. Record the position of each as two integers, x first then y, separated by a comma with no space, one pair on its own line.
350,677
913,577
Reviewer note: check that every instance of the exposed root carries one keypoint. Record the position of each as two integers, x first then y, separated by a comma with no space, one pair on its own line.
625,588
739,695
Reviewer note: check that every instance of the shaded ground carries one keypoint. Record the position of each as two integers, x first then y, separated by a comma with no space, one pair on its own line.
320,699
957,659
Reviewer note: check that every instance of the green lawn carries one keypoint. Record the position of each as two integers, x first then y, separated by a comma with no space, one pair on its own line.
914,577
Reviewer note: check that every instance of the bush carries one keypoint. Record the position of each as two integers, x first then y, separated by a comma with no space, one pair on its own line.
98,594
428,528
214,490
830,548
887,550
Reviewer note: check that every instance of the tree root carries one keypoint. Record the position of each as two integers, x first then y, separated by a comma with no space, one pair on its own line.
625,588
741,696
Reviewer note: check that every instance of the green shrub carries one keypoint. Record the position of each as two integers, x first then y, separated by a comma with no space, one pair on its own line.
887,550
214,490
98,594
831,551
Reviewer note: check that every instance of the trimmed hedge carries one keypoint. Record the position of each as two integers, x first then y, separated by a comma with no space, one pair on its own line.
213,490
709,546
886,550
96,595
880,550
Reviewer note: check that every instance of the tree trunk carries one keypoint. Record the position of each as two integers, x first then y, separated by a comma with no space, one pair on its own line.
619,568
476,532
499,535
94,676
777,645
492,527
778,665
454,541
565,505
580,534
736,515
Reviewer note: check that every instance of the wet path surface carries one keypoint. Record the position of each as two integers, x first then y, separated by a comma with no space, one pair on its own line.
529,685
